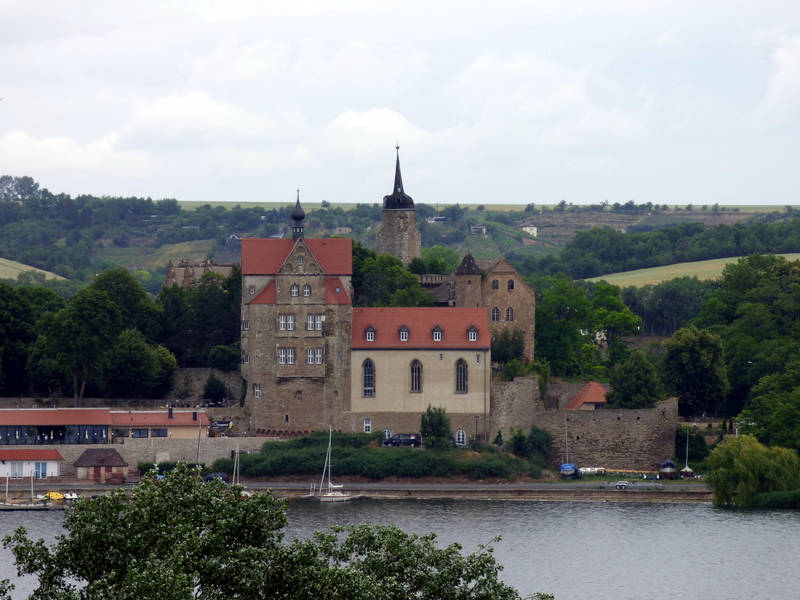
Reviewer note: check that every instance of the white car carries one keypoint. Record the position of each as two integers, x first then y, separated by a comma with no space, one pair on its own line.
621,485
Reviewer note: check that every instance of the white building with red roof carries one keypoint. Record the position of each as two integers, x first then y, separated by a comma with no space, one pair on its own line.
17,463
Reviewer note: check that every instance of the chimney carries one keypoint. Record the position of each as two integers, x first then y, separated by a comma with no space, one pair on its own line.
170,413
194,415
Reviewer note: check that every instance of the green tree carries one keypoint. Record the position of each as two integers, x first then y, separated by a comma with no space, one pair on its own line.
224,358
507,345
215,390
133,369
612,318
381,280
78,336
742,467
435,427
634,383
694,370
136,308
183,539
16,338
773,414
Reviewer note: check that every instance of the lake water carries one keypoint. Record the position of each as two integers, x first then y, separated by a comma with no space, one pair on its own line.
577,551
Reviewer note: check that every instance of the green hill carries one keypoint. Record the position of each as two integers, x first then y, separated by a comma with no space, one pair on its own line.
705,269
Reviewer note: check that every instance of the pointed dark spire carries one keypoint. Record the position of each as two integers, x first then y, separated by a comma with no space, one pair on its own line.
298,214
398,199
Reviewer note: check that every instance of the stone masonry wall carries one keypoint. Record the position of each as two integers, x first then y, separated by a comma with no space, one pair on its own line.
514,404
614,439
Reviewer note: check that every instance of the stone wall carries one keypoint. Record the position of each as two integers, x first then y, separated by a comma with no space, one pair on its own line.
615,439
189,385
559,394
134,451
514,404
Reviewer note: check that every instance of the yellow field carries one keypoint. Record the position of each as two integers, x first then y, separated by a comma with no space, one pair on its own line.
9,269
706,269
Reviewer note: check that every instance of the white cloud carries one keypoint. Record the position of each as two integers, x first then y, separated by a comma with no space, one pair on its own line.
781,101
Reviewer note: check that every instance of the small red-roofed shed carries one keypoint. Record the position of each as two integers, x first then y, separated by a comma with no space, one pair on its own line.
591,397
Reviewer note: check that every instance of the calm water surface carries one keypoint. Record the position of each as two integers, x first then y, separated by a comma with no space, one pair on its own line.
577,551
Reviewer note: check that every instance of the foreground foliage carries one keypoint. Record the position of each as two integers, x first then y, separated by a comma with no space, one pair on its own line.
180,538
742,468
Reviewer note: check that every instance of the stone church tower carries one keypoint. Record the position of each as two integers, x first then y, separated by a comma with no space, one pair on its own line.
398,234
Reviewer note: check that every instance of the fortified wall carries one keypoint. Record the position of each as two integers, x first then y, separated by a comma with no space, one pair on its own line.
515,404
621,439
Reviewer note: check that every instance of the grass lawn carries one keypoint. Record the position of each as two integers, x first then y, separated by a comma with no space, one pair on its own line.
706,269
9,269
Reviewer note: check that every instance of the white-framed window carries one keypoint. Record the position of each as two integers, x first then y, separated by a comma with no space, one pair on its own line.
314,356
306,291
370,334
16,469
416,376
295,290
462,376
281,356
290,356
461,438
317,356
404,335
252,290
256,390
290,322
282,322
472,334
309,356
245,325
318,322
245,358
40,470
437,335
367,425
509,314
495,314
368,379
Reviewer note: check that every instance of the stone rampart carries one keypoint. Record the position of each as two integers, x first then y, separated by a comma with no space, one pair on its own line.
615,439
514,404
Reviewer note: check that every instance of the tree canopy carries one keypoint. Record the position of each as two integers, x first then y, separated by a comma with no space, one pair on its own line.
634,383
181,538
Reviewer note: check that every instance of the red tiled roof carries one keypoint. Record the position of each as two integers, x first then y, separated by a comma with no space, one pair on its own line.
262,256
455,323
55,416
269,295
30,455
159,418
592,393
331,295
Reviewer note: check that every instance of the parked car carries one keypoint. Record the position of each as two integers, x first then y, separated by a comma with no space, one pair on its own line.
213,476
621,485
405,439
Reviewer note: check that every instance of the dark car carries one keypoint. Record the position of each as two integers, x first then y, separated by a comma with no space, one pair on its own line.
213,476
405,439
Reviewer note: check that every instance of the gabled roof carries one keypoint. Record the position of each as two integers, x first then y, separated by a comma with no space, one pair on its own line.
30,455
468,266
100,457
55,416
159,418
331,295
269,295
265,256
454,322
592,393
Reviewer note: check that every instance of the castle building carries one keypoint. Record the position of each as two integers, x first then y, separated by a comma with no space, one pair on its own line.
398,234
312,361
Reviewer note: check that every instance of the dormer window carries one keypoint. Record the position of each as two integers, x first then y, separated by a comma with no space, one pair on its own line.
295,290
404,334
472,334
437,334
306,291
370,334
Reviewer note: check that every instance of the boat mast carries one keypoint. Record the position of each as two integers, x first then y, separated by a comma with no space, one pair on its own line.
566,438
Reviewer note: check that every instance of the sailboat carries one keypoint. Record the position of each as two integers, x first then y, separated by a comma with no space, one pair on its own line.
329,491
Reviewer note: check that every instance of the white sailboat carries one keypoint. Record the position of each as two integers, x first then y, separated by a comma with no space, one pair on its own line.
329,491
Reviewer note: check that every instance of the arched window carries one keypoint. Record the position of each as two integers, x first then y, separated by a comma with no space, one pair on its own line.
495,314
306,291
495,284
462,376
461,438
509,314
295,290
510,284
368,378
416,376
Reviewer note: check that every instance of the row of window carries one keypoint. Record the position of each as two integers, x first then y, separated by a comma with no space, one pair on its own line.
287,356
294,290
368,377
16,470
496,284
460,438
437,334
140,433
313,322
496,314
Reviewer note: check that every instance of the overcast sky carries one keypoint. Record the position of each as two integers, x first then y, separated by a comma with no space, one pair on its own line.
502,101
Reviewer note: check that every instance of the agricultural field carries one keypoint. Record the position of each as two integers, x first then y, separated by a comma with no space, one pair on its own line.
9,269
145,257
705,269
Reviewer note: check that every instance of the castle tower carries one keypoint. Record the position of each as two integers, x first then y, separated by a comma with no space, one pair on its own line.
398,234
468,284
